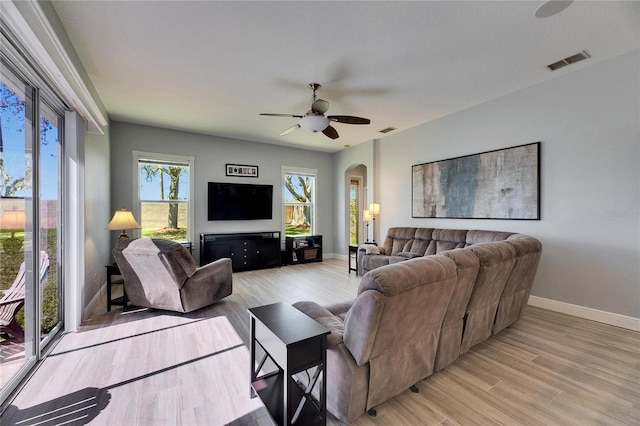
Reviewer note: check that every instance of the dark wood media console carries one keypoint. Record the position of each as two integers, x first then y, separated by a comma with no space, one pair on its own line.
251,250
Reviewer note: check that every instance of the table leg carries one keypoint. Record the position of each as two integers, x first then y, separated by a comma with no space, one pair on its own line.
108,290
252,358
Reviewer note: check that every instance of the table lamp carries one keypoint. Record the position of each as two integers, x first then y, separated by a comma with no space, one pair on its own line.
13,220
122,220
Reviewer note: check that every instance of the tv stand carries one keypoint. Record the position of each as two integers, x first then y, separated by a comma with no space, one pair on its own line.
303,249
249,250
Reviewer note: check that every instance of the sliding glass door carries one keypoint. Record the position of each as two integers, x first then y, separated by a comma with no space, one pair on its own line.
31,308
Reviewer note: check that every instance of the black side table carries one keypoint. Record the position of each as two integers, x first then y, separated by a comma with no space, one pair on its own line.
353,254
295,343
121,301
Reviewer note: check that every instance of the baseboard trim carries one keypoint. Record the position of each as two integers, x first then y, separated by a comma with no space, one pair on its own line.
339,256
623,321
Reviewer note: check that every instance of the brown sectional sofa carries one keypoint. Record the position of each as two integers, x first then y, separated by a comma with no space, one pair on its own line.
430,296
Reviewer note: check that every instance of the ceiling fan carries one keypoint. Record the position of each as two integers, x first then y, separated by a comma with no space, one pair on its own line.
314,120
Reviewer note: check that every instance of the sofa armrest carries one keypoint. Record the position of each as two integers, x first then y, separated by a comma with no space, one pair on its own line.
219,272
370,249
216,267
324,317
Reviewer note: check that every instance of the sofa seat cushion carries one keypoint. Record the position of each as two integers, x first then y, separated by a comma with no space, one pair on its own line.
409,254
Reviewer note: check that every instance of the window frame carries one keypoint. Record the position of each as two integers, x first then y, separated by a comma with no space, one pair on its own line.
289,170
152,157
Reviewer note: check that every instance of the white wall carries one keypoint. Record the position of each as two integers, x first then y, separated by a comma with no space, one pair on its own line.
97,213
588,122
211,154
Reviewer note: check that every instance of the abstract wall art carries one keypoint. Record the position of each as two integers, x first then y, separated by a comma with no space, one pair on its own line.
500,184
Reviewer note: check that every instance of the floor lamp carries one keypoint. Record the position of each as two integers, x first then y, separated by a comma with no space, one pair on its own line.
366,217
374,209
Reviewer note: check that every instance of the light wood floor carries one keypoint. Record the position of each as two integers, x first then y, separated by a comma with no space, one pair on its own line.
159,368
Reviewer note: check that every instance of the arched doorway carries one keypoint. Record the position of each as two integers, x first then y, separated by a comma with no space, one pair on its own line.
356,200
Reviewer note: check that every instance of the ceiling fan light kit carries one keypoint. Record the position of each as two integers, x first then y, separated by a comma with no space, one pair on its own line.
552,7
315,121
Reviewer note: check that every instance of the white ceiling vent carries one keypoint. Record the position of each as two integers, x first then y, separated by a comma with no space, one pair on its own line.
387,130
569,60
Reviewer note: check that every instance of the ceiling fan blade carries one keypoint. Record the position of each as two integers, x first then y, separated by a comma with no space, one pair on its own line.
280,115
348,119
320,106
330,132
290,130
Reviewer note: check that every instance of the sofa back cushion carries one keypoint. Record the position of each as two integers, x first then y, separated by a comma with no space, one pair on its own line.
518,287
477,236
398,239
447,239
394,323
496,263
422,239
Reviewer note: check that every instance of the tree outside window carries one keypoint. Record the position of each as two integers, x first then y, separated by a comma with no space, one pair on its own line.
164,200
299,194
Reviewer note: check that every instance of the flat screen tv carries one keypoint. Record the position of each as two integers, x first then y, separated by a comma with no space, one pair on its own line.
239,201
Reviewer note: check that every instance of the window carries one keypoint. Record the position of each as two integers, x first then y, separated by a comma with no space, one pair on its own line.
299,189
354,209
165,194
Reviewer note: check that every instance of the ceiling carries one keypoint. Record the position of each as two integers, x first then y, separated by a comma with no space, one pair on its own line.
211,67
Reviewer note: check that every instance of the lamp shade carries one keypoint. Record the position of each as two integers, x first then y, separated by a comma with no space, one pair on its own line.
122,220
374,208
366,216
13,219
314,123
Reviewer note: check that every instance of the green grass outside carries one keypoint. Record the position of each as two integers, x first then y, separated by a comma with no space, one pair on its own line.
297,230
9,269
175,234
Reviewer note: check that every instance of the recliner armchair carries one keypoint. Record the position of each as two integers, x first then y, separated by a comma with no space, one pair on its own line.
162,274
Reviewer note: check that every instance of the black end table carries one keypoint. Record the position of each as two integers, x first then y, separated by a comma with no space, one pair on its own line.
353,254
295,343
122,301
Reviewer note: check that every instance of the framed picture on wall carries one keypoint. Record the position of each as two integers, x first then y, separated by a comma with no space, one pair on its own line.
242,170
500,184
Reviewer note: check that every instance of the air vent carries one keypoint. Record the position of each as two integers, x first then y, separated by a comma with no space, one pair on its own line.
569,60
388,129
